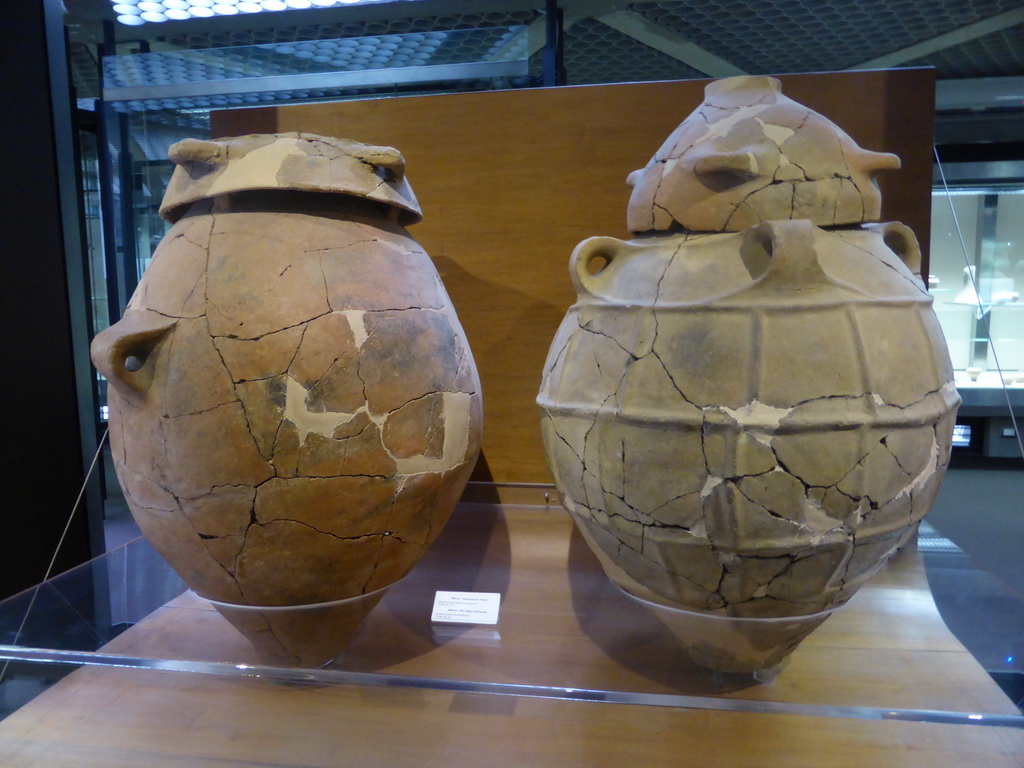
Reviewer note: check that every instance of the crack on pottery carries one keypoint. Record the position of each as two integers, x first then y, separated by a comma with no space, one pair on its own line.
607,336
262,336
657,296
352,244
203,221
903,273
282,647
202,411
788,164
561,437
173,317
224,486
382,417
404,308
894,455
736,209
326,285
377,561
332,476
304,524
199,280
658,207
671,378
558,358
232,574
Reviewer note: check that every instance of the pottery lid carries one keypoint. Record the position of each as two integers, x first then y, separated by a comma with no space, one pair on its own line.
288,161
748,154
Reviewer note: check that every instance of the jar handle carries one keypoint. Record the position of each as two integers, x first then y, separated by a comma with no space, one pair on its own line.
903,242
587,280
780,256
123,352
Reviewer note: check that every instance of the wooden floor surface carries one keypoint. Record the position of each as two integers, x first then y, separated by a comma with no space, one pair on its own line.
561,624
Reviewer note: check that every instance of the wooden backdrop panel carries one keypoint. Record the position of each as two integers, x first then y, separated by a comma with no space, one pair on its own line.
511,181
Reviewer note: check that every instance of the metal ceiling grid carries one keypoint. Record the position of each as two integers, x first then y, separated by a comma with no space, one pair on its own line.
1000,54
292,58
766,36
976,41
596,53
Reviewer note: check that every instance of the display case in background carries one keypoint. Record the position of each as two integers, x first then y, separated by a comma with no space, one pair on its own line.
977,277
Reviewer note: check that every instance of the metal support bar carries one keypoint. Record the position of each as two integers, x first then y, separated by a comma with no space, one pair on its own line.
981,333
104,121
128,266
65,134
554,66
335,677
321,80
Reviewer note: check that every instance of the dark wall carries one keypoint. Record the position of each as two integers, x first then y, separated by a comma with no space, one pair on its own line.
41,462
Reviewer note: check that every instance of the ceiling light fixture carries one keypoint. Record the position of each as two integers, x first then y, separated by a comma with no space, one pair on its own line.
135,12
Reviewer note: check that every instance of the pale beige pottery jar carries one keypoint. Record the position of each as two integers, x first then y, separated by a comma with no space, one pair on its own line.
750,406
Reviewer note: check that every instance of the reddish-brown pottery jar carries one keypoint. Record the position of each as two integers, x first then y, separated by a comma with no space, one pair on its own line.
294,409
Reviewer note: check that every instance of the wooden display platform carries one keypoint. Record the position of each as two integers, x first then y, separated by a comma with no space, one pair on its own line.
562,624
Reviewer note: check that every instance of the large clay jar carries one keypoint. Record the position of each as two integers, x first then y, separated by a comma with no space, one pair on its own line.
294,410
749,407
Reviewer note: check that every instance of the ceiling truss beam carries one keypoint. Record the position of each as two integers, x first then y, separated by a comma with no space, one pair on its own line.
668,42
949,39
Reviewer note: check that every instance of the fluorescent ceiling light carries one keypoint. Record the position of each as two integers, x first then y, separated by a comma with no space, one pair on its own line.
135,12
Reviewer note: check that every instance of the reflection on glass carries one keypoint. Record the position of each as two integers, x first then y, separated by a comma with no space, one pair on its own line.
978,299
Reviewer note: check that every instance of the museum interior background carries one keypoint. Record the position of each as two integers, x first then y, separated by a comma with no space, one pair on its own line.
96,102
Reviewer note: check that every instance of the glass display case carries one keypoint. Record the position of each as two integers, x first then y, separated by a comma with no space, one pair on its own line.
564,632
977,278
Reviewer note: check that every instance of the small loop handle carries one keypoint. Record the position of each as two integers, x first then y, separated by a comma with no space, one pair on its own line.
589,283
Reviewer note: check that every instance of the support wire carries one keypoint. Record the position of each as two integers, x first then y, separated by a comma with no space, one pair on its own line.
56,551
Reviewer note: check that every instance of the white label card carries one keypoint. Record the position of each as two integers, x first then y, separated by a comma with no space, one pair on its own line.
466,607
